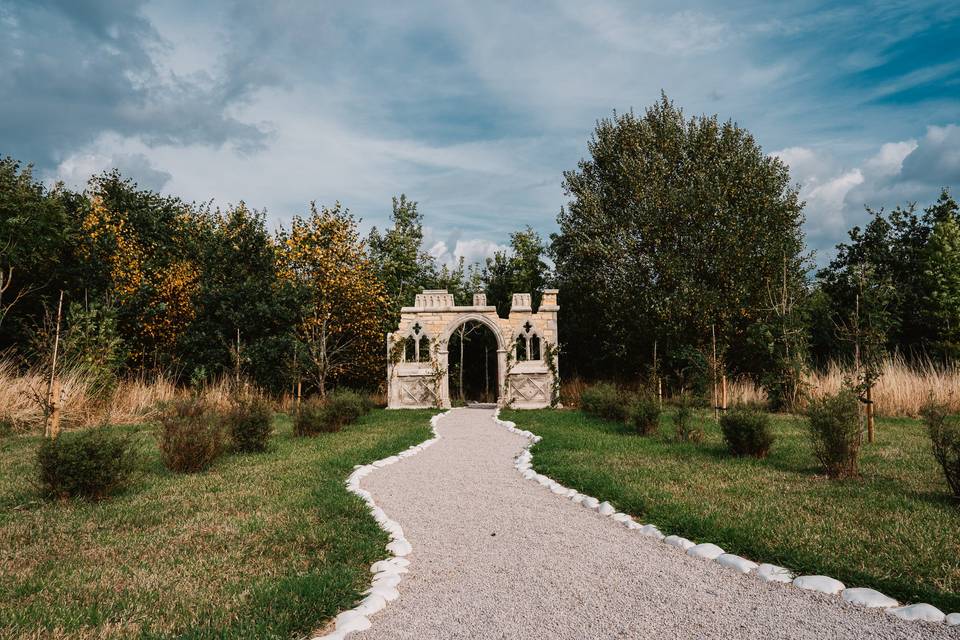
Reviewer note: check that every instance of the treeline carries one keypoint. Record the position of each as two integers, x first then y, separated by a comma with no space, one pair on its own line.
154,284
680,255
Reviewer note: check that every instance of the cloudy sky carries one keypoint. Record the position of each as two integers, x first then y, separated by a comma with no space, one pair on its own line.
472,108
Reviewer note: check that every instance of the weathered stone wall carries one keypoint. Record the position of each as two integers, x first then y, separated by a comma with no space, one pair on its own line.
423,382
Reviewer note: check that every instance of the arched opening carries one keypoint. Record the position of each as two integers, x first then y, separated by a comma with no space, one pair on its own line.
472,363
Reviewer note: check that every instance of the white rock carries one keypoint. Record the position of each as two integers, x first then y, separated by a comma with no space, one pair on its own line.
921,611
864,597
773,573
544,480
953,619
823,584
590,502
558,489
371,604
677,541
578,498
350,621
632,524
606,509
620,517
706,550
570,493
386,580
400,562
530,474
651,531
400,548
736,562
387,593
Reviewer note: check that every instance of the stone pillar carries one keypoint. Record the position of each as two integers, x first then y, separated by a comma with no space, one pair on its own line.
501,377
445,383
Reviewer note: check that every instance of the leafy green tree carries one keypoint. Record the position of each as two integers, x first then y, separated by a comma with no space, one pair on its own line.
401,263
521,270
37,248
675,227
238,290
942,290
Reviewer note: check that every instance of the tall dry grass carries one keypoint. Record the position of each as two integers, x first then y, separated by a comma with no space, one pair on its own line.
84,404
902,390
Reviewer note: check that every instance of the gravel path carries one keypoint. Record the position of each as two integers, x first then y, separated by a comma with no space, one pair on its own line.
497,556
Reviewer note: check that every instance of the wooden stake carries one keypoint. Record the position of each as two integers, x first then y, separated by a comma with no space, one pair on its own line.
713,334
870,434
52,429
723,392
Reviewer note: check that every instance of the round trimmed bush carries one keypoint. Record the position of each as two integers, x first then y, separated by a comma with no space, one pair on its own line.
604,400
249,420
944,431
834,423
747,432
330,414
191,436
90,464
643,414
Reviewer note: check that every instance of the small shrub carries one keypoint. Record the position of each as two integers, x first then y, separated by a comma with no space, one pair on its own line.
834,424
90,464
643,414
331,414
249,421
747,432
191,436
684,428
944,431
604,400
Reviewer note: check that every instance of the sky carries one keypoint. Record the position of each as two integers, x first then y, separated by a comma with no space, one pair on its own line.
473,109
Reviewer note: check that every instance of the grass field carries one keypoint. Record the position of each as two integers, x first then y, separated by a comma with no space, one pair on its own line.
261,546
893,529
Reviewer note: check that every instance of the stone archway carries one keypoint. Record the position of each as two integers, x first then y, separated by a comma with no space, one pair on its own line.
418,380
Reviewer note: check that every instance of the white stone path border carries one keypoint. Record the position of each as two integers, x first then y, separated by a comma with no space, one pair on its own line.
386,573
767,572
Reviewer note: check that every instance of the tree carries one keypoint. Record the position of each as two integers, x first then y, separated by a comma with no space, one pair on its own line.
341,305
401,263
942,290
674,226
522,270
238,291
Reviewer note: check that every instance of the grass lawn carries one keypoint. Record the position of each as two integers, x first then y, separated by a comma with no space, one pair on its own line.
261,546
893,529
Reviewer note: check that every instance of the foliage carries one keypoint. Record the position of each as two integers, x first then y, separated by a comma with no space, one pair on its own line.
941,279
643,414
330,414
249,421
747,432
674,225
92,464
341,305
92,345
191,436
521,270
402,265
684,428
834,424
604,400
899,255
944,431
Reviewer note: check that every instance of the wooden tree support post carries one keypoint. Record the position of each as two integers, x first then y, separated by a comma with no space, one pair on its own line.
52,429
870,433
723,392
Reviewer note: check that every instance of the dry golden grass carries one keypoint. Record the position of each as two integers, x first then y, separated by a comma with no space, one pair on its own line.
903,388
83,404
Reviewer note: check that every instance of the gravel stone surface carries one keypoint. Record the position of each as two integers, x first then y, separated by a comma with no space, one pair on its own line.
497,556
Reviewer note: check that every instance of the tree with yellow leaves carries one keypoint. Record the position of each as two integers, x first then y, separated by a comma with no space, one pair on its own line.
342,303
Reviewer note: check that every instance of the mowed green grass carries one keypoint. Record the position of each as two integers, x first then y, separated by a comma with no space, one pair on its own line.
893,529
261,546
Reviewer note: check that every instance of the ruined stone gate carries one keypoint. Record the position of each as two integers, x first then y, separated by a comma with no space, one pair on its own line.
418,369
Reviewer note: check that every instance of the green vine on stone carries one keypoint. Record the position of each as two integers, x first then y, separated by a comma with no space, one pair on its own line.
550,353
